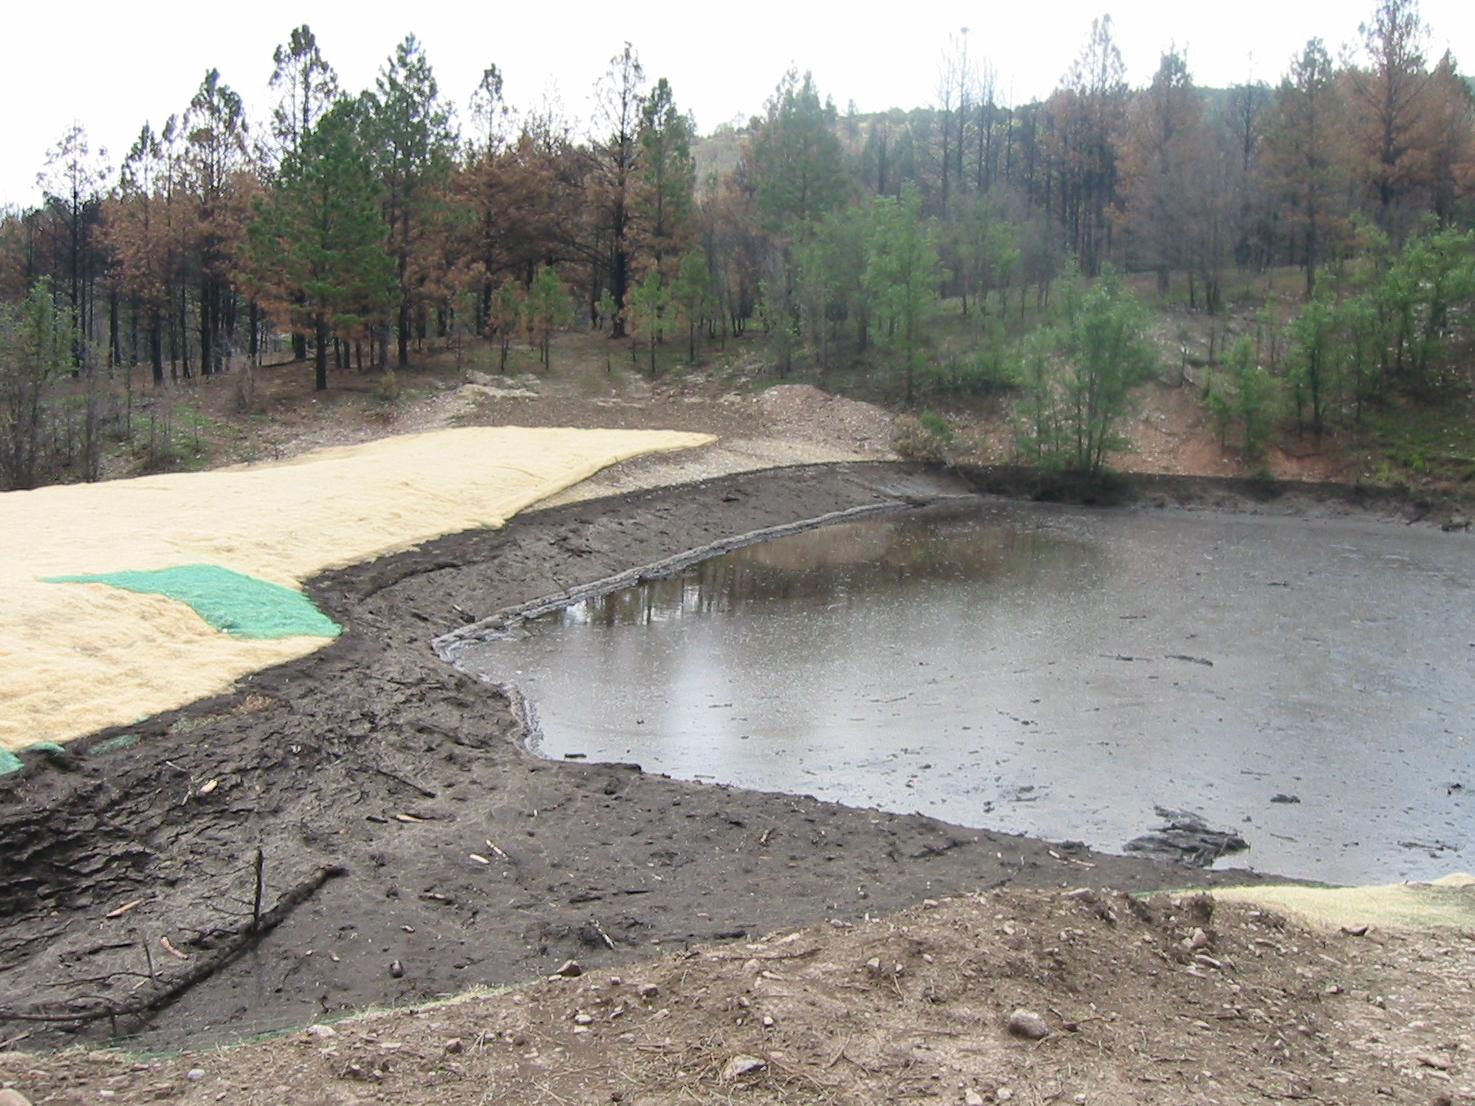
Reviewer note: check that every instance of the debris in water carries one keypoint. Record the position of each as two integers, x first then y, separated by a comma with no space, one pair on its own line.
1186,838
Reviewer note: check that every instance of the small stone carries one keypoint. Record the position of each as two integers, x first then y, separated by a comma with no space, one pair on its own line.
972,1098
768,1022
930,904
647,990
13,1098
321,1031
1282,798
1079,1100
873,965
396,969
569,969
1438,1063
1028,1024
455,1047
1355,931
1196,940
583,1019
751,967
740,1066
194,1075
1003,1094
107,1094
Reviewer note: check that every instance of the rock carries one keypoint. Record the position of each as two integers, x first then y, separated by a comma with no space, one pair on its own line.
1028,1024
768,1022
1455,522
740,1066
1185,838
1283,798
751,967
322,1031
972,1098
194,1075
396,969
1355,931
13,1098
569,969
647,990
873,965
1196,940
455,1047
583,1019
1003,1094
1438,1063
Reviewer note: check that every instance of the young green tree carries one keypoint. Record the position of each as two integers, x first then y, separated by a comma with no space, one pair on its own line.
548,307
796,160
1245,394
902,274
505,318
35,350
1109,352
319,243
306,86
648,304
413,139
1077,380
1314,368
691,294
665,191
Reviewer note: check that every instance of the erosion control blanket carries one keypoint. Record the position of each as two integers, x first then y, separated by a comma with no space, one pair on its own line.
1446,902
122,599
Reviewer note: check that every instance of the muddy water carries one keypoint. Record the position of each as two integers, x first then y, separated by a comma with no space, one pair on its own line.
1056,672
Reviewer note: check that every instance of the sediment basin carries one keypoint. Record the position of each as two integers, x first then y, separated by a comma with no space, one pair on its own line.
1052,671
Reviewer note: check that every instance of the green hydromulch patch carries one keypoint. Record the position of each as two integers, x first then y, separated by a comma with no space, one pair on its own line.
232,602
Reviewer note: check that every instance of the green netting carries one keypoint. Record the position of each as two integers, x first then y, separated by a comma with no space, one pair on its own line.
9,762
239,605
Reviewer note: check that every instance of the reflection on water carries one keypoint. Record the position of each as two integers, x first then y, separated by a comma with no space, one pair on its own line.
841,566
1052,671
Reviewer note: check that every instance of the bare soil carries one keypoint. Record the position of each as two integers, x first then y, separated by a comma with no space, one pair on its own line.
1169,1001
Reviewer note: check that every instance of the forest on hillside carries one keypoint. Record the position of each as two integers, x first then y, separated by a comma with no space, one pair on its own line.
360,226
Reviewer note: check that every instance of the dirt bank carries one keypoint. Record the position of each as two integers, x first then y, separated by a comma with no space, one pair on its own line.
1162,1003
413,849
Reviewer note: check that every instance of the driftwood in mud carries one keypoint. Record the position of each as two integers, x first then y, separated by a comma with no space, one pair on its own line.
237,943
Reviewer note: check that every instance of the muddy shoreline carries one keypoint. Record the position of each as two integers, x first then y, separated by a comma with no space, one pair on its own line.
469,861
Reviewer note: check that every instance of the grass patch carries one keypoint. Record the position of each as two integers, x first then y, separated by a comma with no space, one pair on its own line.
1433,442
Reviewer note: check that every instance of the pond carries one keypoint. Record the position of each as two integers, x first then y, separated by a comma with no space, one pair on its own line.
1052,671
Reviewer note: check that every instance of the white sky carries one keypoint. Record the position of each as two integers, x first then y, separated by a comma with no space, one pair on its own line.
114,65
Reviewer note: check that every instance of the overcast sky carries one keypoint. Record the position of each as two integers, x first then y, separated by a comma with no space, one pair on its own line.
112,66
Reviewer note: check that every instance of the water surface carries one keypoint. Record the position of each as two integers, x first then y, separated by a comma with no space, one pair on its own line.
1053,671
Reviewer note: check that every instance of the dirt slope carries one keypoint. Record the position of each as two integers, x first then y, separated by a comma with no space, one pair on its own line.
1169,1002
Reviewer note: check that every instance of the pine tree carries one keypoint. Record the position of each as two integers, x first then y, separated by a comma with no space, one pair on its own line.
413,139
320,241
